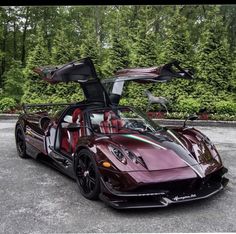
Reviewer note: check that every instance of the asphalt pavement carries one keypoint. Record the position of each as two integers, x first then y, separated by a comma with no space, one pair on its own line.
35,198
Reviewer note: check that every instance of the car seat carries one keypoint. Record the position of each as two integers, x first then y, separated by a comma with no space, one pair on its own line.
116,123
70,137
111,123
104,125
77,117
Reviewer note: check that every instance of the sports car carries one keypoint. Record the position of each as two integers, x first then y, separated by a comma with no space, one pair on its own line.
116,153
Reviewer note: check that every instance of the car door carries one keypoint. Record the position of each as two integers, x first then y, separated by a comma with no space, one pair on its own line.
164,73
82,72
34,135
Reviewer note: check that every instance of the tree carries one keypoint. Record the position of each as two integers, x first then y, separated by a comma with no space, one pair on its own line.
23,52
229,19
213,58
63,50
144,46
118,56
34,87
13,81
4,33
144,49
117,37
233,77
175,46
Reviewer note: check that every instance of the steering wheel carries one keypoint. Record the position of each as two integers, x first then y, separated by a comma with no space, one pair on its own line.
134,125
128,125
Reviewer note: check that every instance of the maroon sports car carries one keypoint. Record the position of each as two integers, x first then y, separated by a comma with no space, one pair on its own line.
115,152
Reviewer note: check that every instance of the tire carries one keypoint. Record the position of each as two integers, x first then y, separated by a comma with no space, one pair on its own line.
87,175
20,142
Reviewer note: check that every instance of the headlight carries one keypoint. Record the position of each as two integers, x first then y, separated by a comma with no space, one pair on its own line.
211,147
121,155
117,153
131,156
135,158
206,140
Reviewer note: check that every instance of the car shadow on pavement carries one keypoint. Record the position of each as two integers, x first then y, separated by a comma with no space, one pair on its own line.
173,208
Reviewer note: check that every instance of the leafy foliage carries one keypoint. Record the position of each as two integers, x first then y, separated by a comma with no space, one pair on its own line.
13,81
117,57
7,104
118,37
225,107
34,87
189,105
213,56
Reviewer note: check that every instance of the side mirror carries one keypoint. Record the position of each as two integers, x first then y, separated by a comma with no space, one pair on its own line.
190,117
44,123
68,119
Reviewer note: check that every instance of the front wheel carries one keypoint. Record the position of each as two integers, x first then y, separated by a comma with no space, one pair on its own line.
87,176
20,142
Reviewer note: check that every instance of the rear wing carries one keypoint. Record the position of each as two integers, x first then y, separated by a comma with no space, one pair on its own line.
26,107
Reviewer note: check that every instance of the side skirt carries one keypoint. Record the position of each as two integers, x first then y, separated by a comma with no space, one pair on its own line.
32,151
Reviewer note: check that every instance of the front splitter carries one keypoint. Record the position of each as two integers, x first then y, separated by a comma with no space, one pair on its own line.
162,199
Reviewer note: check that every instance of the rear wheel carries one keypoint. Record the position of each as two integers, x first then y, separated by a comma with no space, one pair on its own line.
87,176
20,142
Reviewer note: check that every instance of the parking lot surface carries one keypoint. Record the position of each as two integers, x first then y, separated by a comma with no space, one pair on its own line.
35,198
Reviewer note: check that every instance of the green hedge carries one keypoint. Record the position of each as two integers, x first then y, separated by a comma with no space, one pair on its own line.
7,104
178,109
189,105
225,107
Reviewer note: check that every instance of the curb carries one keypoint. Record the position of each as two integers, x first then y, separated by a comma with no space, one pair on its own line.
174,122
207,123
8,116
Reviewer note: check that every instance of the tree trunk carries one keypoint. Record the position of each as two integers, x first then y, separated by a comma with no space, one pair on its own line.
45,16
3,63
14,41
24,36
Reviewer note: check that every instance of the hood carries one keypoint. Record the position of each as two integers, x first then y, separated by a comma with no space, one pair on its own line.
167,150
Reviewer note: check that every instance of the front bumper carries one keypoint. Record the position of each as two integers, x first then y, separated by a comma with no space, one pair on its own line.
163,197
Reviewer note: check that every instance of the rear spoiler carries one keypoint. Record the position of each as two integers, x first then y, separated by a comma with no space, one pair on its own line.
28,106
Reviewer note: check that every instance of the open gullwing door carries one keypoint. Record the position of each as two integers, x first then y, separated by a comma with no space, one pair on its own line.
83,72
163,73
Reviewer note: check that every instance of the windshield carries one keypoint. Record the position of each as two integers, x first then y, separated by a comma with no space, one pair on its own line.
120,120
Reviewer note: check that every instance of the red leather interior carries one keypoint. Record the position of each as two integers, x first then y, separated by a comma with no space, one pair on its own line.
77,114
64,140
117,124
69,138
104,125
111,123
